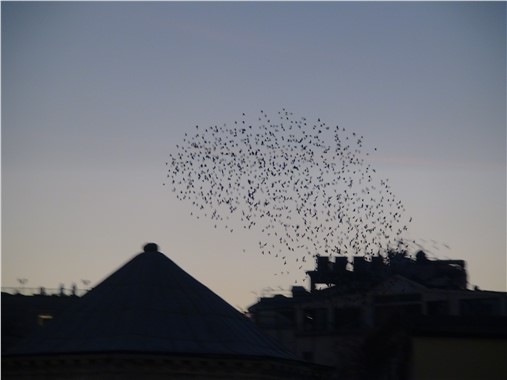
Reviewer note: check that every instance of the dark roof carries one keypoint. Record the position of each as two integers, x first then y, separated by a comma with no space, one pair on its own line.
151,305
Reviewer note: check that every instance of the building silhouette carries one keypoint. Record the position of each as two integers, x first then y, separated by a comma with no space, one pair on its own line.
152,320
23,315
391,318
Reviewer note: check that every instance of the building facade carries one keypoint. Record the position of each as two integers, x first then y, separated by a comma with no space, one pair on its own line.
382,321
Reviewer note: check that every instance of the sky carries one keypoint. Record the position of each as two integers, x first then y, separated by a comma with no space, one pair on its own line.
96,96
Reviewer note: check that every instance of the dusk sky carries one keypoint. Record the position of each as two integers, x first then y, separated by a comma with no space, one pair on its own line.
96,95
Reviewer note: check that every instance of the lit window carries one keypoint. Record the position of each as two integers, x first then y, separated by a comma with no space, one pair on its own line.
43,318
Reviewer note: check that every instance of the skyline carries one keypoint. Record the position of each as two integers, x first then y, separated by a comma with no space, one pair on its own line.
96,96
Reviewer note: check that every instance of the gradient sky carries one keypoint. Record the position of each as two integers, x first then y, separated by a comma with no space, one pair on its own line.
95,96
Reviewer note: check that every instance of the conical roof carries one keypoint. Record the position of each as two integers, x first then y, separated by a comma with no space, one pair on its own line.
151,305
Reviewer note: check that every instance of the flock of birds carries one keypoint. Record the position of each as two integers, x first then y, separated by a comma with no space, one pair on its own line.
306,186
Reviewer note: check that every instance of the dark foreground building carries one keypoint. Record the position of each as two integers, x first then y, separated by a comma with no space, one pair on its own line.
409,319
22,314
152,320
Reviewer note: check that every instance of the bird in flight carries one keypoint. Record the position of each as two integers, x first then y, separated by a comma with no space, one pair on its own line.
306,187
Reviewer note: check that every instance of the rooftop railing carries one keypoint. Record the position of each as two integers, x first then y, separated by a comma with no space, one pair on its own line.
42,291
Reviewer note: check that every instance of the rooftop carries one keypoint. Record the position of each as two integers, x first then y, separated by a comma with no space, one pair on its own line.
151,305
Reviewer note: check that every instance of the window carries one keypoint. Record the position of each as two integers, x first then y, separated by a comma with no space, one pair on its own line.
438,307
43,318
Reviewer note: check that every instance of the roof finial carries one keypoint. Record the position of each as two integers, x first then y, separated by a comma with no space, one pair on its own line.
150,247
